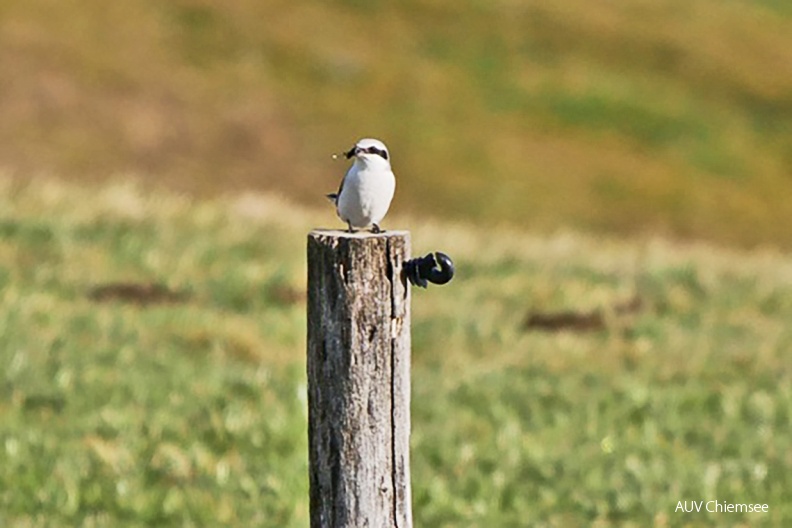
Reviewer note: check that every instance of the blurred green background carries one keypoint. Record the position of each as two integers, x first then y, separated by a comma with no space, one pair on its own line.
626,161
624,116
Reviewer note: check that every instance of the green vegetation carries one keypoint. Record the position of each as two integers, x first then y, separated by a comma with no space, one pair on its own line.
152,333
191,411
626,117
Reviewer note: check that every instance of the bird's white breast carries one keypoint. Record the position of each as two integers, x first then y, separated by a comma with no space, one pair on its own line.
366,195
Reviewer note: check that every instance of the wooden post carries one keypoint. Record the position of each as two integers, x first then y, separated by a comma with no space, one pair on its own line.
359,380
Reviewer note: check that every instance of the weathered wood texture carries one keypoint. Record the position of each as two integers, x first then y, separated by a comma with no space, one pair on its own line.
359,380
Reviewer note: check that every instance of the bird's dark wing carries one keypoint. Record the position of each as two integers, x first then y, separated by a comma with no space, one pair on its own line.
333,197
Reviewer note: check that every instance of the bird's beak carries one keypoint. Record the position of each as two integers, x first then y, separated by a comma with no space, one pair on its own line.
351,152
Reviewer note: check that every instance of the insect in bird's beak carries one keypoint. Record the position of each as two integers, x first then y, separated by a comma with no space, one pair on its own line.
348,154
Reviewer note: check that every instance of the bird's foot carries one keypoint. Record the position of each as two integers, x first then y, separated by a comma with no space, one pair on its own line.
350,228
376,229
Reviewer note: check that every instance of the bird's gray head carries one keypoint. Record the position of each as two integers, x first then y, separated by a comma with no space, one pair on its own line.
369,149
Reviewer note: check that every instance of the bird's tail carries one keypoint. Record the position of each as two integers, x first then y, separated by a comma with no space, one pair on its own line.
333,197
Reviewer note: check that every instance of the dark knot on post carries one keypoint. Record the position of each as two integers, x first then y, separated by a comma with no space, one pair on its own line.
436,268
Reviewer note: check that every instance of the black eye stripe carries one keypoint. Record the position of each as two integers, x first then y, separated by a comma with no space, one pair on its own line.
375,150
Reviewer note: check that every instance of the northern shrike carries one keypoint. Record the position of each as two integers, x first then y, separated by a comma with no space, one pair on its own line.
367,189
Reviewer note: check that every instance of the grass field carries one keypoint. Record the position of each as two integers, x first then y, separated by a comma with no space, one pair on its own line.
625,116
153,370
573,157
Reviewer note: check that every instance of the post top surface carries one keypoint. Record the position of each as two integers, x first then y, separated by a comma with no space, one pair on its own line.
338,233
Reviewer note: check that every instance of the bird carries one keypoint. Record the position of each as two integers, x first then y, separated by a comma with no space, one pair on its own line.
367,189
